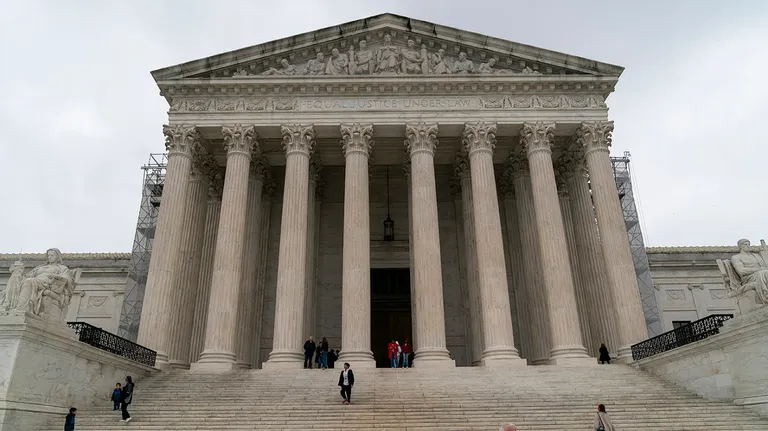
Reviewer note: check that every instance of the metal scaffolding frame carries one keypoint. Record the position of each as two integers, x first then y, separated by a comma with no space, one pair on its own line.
151,192
623,178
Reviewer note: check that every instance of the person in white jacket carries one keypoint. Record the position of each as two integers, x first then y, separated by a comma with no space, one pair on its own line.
602,420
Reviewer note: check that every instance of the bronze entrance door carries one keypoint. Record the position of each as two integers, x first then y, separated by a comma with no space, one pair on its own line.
390,310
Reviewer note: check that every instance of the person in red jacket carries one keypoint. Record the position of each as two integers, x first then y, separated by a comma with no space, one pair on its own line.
392,349
406,347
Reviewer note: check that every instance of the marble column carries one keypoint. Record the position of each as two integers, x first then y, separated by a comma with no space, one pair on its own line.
421,141
213,210
251,257
357,142
266,211
159,298
567,347
475,323
407,174
517,266
221,327
574,258
479,140
299,143
595,139
191,250
602,316
312,229
534,290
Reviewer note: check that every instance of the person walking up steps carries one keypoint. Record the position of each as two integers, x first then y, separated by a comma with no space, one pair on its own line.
126,398
604,355
69,421
602,420
346,381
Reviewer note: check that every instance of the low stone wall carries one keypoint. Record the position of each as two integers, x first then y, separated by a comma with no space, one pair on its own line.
44,370
732,365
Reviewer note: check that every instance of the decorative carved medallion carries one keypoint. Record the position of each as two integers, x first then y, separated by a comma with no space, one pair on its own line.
356,138
421,137
676,295
718,293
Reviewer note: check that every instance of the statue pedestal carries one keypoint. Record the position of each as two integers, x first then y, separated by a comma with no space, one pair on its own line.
45,370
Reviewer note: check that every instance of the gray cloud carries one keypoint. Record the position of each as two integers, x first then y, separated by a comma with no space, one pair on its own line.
80,112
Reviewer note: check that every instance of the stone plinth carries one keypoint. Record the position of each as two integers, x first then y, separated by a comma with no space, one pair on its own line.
45,370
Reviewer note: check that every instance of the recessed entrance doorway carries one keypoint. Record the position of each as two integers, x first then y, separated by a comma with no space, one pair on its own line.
390,310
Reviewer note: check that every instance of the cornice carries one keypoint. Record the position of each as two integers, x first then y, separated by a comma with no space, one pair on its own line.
699,249
66,256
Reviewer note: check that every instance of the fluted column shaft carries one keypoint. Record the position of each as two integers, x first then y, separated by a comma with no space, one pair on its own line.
595,138
602,316
191,250
421,140
532,266
298,141
356,258
309,300
567,345
251,252
475,323
213,210
159,297
221,328
514,242
407,172
574,258
479,139
266,204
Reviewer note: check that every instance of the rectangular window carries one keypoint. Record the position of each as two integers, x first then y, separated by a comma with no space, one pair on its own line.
680,323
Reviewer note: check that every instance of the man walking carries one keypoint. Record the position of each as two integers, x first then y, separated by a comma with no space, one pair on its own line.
309,352
346,381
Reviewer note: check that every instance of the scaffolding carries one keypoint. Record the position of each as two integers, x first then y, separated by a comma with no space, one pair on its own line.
647,292
151,193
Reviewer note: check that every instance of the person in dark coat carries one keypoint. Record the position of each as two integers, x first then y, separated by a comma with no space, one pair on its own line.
346,381
604,355
116,395
309,351
126,397
69,421
324,353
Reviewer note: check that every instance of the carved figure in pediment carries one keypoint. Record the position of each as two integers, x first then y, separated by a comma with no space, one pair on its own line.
387,57
241,71
437,63
746,276
528,71
489,68
463,65
337,64
286,68
316,66
412,59
362,62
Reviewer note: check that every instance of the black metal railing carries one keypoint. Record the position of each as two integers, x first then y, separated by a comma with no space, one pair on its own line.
681,336
111,343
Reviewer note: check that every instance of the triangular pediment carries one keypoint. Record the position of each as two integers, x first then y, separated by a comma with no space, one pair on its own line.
388,45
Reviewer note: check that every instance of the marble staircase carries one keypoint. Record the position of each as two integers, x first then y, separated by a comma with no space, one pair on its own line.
534,398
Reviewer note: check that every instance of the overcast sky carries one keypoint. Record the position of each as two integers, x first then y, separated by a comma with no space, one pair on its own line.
79,112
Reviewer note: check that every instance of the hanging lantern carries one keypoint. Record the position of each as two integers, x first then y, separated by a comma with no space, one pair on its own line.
389,224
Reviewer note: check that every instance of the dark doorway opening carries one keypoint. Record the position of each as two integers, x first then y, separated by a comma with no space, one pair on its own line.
390,310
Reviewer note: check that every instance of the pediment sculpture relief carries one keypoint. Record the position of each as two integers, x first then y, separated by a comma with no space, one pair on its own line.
388,59
745,275
45,291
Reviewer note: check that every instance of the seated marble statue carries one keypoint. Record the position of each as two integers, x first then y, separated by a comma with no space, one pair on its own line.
746,276
46,290
286,68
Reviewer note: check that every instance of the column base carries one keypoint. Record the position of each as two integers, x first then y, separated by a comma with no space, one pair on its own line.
624,355
284,360
357,359
178,365
243,365
540,361
433,358
161,361
212,361
502,357
570,355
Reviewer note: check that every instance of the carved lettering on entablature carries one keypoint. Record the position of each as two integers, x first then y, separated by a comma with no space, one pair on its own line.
309,104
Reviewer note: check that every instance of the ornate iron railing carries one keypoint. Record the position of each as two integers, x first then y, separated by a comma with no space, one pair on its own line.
694,331
111,343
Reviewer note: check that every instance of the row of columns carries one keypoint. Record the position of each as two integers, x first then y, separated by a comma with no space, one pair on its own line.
198,278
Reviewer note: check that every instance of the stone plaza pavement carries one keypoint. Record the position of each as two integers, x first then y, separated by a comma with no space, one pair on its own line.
534,398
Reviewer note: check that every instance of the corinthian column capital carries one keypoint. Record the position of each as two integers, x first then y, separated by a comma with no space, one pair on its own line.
356,137
298,138
215,186
479,137
572,164
421,137
516,165
537,136
203,166
181,139
461,164
407,165
595,135
239,139
259,167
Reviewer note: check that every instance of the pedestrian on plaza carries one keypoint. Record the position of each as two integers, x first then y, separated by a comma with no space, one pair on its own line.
602,420
324,353
604,355
116,396
406,353
69,421
346,381
126,397
508,427
332,358
309,351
